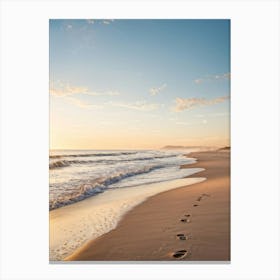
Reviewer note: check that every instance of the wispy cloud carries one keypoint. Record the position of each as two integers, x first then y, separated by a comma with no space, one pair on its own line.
225,76
67,90
69,93
182,104
138,105
82,104
100,21
157,90
208,78
107,21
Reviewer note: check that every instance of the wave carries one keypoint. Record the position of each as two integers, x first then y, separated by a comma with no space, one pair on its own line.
97,186
93,155
58,164
65,163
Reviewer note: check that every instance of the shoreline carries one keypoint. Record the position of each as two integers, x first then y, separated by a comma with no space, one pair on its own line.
187,223
74,225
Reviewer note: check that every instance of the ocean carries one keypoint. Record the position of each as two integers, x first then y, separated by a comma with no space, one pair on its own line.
77,174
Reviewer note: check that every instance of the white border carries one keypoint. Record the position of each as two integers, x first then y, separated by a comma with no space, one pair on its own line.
255,138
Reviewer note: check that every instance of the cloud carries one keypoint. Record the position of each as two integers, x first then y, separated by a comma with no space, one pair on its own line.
155,91
208,78
107,21
81,104
68,90
104,21
188,103
138,105
225,76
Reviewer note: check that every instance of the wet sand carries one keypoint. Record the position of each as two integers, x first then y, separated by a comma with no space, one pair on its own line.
190,223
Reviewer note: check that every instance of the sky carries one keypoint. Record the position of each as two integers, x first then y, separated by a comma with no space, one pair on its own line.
139,84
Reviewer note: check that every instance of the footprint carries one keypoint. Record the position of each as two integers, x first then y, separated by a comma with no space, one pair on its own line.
181,236
202,196
185,220
180,254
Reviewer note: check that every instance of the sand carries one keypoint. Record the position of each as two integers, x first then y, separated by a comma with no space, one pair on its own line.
190,223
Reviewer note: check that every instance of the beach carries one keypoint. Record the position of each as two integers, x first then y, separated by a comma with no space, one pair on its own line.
91,193
189,223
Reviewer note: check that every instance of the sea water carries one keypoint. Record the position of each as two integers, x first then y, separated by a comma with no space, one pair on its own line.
76,175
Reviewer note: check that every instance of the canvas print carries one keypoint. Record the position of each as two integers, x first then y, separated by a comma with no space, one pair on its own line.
139,160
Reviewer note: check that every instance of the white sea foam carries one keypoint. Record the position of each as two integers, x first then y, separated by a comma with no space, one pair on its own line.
73,225
76,175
